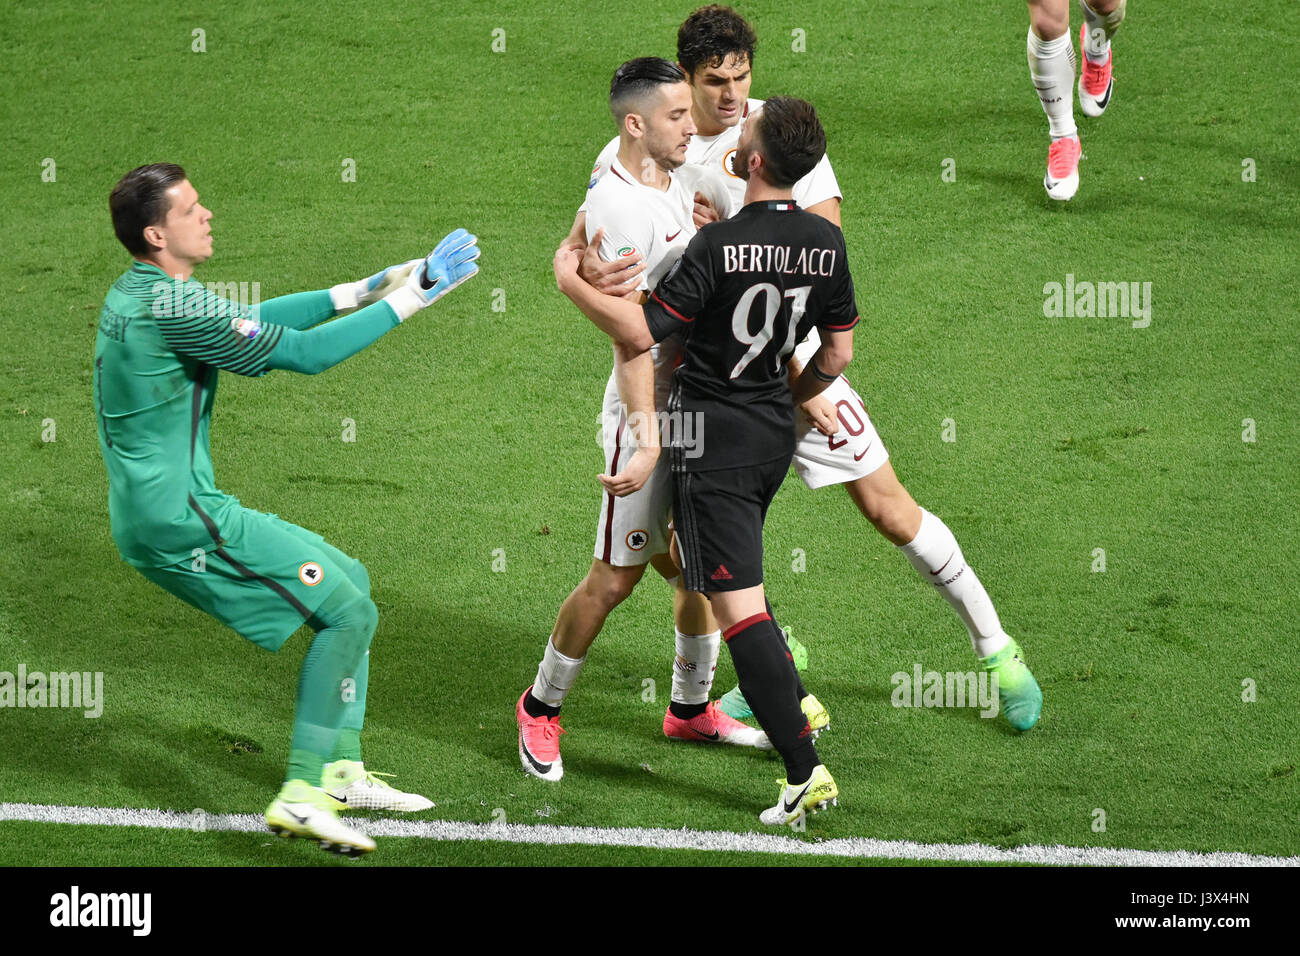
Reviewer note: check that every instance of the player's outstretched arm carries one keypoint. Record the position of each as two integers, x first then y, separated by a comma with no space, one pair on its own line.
347,296
824,367
302,310
315,350
620,319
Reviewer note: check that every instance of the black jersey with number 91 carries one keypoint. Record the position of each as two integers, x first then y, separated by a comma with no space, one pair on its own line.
746,291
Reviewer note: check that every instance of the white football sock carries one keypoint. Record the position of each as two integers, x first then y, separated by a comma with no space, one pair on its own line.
1100,28
1051,68
556,675
693,668
937,557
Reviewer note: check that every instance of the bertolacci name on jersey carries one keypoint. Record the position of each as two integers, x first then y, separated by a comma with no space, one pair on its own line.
748,257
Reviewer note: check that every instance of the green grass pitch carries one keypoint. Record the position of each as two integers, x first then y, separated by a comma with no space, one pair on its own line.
475,428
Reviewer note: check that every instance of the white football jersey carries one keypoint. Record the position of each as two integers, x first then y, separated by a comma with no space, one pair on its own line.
641,221
653,225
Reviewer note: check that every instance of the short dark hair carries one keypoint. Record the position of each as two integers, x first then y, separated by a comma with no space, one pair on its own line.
790,139
635,78
710,35
139,199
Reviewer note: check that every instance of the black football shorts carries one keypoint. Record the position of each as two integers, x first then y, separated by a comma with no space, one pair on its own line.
718,518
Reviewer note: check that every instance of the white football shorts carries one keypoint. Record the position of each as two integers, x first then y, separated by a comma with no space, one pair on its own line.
852,452
633,529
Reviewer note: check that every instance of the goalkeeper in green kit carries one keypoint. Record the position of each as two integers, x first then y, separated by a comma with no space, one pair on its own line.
163,337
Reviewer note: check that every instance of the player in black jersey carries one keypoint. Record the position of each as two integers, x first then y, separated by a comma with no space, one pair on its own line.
746,291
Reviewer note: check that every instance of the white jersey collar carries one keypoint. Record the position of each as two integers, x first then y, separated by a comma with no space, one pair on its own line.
618,169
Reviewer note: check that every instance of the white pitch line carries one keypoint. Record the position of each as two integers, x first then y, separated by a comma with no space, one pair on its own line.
709,840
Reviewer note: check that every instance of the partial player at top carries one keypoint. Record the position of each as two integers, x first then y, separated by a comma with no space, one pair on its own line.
715,50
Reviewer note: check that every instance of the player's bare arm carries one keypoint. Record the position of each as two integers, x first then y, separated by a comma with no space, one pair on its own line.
828,209
635,374
819,412
620,319
825,367
578,232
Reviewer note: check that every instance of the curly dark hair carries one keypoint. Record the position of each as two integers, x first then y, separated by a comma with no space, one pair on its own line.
710,35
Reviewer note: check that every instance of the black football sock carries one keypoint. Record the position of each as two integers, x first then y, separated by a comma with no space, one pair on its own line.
798,682
535,708
687,711
767,680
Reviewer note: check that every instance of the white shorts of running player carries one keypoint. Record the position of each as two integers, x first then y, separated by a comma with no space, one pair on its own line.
853,451
633,529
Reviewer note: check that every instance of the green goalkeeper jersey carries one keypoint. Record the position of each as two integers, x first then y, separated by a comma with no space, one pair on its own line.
160,345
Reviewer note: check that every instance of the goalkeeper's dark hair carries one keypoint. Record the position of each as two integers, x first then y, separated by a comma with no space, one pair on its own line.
140,199
790,138
710,35
635,79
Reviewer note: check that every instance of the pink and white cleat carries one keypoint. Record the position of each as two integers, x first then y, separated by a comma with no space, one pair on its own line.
1062,179
539,742
714,726
1095,81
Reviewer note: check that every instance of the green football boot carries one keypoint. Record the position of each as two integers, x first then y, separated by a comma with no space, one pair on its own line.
352,787
819,717
1019,697
798,652
301,810
797,801
733,704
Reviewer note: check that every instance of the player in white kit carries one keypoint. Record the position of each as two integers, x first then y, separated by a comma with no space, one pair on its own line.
1051,70
644,210
838,443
